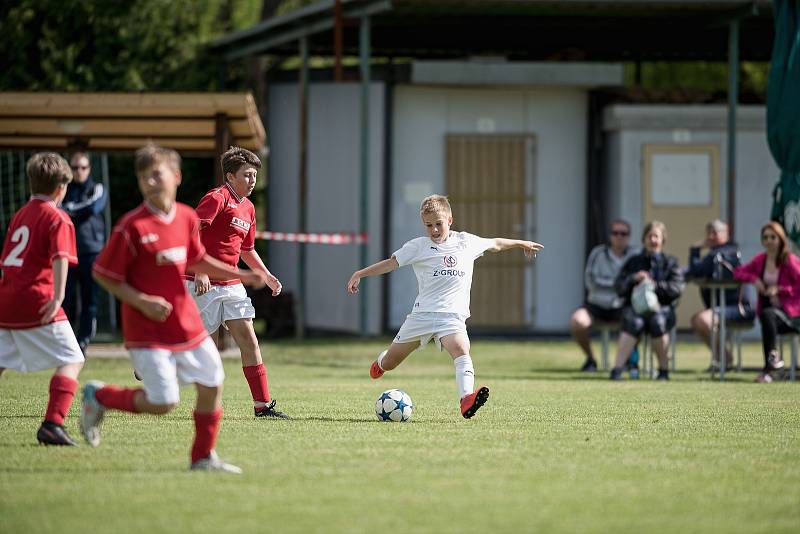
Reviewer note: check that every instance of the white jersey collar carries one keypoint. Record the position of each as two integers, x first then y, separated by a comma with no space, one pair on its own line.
166,217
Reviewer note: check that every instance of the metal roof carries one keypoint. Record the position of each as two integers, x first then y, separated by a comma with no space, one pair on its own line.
585,30
126,121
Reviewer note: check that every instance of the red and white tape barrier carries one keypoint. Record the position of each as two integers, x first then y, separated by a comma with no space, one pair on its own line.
342,238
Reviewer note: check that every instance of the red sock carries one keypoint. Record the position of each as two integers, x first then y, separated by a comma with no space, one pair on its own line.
257,379
206,428
62,390
118,398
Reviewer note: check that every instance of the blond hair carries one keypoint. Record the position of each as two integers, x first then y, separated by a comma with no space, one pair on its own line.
655,225
46,171
435,204
150,155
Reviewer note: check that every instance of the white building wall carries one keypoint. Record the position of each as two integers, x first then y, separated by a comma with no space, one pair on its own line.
557,116
332,200
629,128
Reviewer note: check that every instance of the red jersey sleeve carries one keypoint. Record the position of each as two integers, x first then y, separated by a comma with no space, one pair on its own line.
209,207
249,241
195,251
114,259
62,242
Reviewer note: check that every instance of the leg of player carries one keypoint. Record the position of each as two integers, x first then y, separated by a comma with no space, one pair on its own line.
253,368
392,357
63,385
207,417
471,399
99,397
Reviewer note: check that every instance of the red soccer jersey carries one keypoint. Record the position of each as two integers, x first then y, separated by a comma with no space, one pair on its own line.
150,251
39,233
227,226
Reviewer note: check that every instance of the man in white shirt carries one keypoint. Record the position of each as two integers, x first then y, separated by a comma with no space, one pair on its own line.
442,261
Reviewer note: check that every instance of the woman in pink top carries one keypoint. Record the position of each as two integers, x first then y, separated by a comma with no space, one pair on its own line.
776,274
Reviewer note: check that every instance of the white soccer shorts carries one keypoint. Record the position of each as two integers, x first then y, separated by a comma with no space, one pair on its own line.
163,371
43,347
427,326
222,303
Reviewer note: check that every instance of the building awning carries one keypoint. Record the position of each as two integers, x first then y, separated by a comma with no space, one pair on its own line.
187,122
519,30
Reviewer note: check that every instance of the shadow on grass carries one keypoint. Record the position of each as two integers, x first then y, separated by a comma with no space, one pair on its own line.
50,470
686,375
368,420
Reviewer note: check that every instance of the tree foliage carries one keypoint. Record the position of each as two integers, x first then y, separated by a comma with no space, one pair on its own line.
116,45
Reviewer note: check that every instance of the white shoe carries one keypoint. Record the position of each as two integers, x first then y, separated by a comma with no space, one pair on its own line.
92,413
214,463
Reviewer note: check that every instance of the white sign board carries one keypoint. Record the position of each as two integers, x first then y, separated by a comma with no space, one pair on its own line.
681,179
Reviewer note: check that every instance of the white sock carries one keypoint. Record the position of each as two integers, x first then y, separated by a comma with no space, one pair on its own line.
380,359
465,375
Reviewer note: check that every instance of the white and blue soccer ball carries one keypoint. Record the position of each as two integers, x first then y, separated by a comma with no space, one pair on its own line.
394,405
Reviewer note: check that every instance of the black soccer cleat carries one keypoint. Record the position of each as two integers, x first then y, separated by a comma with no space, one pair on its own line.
589,367
53,434
270,411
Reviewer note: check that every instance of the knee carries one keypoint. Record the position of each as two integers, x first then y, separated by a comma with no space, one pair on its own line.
767,314
580,320
701,321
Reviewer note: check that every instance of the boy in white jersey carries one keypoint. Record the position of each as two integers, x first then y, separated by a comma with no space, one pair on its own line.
443,262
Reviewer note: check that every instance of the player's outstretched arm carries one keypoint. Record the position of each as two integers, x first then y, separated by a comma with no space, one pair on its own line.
154,307
382,267
216,269
51,307
253,260
530,248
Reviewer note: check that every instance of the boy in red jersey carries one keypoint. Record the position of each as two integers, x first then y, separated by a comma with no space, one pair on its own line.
143,265
227,231
34,331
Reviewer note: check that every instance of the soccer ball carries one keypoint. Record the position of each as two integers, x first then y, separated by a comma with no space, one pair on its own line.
394,405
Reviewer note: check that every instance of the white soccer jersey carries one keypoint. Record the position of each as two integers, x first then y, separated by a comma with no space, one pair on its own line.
443,270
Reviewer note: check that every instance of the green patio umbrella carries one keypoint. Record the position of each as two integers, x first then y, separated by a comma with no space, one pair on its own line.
783,115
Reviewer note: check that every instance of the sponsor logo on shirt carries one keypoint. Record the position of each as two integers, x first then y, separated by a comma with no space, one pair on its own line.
236,221
448,272
450,261
149,238
171,256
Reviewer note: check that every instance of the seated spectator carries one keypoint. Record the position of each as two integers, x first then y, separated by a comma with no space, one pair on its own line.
662,274
776,275
717,242
602,302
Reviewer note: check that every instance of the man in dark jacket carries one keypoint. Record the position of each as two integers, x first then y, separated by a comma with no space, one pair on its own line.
84,202
719,244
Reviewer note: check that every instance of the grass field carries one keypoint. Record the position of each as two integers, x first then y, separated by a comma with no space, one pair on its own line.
553,450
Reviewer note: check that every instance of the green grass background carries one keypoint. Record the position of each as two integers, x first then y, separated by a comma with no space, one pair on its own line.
554,450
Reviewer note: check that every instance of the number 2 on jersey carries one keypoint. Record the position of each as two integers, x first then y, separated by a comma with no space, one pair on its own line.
20,236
